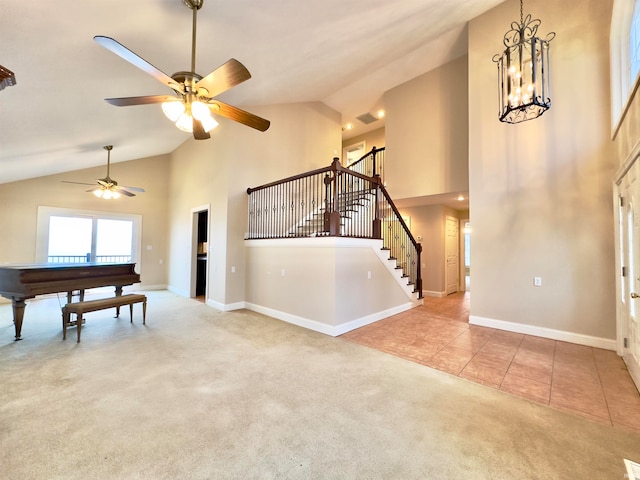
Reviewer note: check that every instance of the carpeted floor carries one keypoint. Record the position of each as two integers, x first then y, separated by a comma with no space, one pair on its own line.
203,394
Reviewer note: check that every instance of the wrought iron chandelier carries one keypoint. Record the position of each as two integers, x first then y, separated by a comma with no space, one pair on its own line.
523,72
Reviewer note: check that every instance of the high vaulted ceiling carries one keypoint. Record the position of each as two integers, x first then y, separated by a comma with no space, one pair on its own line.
343,53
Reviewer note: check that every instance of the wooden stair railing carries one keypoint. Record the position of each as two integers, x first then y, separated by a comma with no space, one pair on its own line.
336,201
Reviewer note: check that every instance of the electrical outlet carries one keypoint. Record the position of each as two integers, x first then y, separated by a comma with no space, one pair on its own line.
537,281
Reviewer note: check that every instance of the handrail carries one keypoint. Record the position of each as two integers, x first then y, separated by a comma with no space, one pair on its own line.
408,259
370,164
289,179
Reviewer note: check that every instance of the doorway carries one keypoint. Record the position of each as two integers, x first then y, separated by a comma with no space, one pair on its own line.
200,253
629,257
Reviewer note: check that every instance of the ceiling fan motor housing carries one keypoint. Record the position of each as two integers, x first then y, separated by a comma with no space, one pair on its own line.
193,4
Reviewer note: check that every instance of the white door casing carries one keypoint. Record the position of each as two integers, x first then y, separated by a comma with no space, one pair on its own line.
452,249
629,258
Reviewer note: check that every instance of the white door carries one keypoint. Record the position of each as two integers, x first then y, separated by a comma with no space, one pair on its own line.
452,248
629,189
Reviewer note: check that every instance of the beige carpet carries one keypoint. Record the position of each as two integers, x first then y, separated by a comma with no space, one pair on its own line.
203,394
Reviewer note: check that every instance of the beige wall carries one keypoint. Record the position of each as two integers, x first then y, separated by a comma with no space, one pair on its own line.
541,191
374,138
218,172
426,133
20,200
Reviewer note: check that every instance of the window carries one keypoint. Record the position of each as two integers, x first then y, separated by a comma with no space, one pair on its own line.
69,239
625,57
77,236
634,44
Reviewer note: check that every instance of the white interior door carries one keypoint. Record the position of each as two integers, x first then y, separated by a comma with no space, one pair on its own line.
452,247
630,258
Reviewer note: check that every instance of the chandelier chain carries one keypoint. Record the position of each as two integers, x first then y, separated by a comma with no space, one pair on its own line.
521,14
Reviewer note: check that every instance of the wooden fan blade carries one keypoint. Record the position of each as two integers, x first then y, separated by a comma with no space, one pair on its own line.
125,192
77,183
146,100
198,130
135,189
137,61
238,115
224,77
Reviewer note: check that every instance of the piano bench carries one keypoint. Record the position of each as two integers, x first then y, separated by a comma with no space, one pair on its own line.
80,308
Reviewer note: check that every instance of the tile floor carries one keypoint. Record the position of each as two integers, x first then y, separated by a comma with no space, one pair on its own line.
586,381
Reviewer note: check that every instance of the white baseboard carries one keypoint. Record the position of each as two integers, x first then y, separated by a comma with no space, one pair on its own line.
226,307
433,293
149,288
361,322
577,338
331,330
293,319
177,291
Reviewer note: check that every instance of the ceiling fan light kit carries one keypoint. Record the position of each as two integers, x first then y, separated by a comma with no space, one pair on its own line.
193,102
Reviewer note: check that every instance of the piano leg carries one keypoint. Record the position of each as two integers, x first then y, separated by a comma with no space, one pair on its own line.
118,293
18,314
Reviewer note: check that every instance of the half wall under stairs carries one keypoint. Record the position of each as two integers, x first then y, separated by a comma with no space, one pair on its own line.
328,284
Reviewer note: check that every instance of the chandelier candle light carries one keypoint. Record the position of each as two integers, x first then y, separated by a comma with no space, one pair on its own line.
523,72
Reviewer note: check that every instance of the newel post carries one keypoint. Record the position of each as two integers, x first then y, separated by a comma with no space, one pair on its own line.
373,157
377,182
419,270
331,213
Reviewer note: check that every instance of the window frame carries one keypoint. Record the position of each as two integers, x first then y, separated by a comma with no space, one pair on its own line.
42,229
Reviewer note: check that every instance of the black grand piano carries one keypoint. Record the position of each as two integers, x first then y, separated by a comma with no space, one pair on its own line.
21,282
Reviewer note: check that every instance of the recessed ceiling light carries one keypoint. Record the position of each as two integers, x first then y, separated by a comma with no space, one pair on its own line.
460,198
380,113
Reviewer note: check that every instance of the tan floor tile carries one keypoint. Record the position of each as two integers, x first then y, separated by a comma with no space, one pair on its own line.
526,388
544,345
451,360
503,352
488,360
591,402
568,375
535,373
573,350
607,357
534,359
485,374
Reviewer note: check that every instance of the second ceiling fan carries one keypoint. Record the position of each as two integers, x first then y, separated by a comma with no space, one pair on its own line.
191,106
